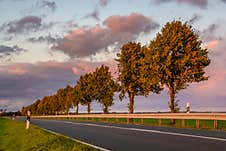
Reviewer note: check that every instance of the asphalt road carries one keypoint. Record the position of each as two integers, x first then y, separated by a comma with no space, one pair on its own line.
121,137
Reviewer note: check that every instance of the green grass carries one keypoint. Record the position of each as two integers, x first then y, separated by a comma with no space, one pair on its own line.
222,125
206,123
14,137
112,120
136,120
150,121
190,123
122,120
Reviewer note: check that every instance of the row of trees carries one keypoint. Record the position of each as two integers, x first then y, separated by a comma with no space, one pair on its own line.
173,59
98,86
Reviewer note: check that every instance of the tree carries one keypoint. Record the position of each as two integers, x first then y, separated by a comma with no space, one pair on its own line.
135,73
104,87
75,98
85,89
68,98
54,106
34,107
43,106
178,57
61,96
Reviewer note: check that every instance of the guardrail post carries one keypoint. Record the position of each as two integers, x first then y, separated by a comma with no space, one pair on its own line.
142,121
215,124
160,121
183,123
129,120
197,123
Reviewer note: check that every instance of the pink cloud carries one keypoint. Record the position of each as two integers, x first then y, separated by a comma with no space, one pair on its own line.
214,85
216,71
75,70
133,23
86,41
17,70
212,44
84,67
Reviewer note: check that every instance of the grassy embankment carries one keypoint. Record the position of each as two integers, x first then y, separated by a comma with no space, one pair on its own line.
14,137
206,124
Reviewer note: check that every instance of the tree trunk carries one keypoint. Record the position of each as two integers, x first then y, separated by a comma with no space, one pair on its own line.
77,107
88,108
67,111
131,102
172,100
105,109
131,105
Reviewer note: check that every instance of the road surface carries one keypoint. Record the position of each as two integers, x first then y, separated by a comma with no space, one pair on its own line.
122,137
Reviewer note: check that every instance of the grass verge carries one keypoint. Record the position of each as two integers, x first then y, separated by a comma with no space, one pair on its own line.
14,137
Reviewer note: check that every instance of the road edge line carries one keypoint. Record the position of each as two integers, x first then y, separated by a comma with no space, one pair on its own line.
76,140
151,131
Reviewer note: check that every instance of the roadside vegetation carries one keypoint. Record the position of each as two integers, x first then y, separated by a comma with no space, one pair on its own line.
172,60
14,137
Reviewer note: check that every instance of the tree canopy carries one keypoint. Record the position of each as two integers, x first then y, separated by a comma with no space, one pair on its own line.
105,87
178,57
135,73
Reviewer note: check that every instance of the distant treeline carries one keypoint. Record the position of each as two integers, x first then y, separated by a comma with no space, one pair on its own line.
173,59
98,86
5,113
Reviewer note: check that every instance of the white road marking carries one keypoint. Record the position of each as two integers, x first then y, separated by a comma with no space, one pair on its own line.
146,130
76,140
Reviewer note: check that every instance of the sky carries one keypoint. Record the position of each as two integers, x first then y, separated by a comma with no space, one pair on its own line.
48,44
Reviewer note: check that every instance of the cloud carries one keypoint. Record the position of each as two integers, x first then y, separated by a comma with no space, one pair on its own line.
195,18
212,44
199,3
71,24
217,51
47,4
103,3
214,86
86,41
17,71
43,78
23,25
134,23
208,34
33,80
7,51
49,39
94,15
26,81
11,105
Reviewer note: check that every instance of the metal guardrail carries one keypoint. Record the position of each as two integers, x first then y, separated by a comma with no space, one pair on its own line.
176,116
195,116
